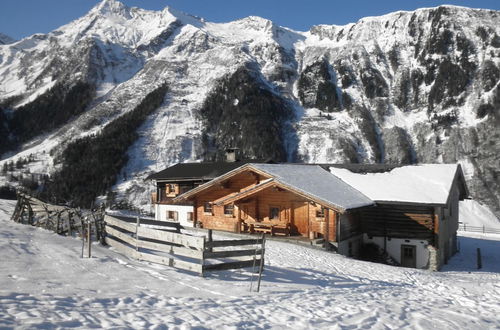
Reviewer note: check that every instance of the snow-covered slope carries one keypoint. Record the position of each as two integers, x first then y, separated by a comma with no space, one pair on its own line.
406,87
476,214
45,284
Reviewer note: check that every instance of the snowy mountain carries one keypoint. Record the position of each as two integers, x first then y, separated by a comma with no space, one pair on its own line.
406,87
5,39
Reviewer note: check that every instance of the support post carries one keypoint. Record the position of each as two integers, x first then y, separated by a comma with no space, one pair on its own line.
137,224
261,268
89,241
210,239
83,234
202,259
327,230
238,222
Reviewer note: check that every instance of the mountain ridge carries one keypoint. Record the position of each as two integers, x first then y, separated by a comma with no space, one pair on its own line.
405,87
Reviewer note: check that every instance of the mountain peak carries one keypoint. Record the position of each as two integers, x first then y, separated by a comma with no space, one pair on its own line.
112,7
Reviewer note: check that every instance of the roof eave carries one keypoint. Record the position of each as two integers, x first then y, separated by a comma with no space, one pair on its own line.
434,204
190,193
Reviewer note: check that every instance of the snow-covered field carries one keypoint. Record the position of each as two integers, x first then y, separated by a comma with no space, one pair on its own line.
45,284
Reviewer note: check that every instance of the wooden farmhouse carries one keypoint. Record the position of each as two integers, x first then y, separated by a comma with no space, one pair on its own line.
287,199
409,212
180,178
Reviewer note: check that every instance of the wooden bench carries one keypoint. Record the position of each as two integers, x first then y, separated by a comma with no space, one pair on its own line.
269,228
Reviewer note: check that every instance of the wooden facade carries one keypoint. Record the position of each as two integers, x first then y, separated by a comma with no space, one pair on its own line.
166,191
261,198
401,221
249,202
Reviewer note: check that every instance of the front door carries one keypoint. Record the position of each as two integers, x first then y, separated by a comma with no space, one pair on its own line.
409,256
300,222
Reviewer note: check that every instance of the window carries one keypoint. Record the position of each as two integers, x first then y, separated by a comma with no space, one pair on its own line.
274,213
190,216
229,210
171,189
320,213
173,215
207,208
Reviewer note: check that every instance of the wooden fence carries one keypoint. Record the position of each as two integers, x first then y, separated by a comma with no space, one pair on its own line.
62,220
478,229
163,242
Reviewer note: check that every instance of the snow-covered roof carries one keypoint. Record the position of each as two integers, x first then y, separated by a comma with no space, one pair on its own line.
316,182
426,183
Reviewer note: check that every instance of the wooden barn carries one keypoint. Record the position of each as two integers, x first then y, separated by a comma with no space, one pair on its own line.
416,218
287,199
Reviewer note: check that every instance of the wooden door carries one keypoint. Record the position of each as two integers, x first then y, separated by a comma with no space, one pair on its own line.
300,220
409,256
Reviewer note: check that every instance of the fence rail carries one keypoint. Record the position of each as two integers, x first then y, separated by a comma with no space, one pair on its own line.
478,229
168,243
62,220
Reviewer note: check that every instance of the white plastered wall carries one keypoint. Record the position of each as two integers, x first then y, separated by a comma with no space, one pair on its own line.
393,248
161,211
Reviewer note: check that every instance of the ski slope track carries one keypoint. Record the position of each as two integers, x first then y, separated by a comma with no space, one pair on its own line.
45,284
406,87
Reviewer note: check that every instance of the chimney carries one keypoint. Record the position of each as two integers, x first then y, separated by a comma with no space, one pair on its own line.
231,155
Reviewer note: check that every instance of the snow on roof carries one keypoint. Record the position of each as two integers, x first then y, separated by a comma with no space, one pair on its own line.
316,182
427,183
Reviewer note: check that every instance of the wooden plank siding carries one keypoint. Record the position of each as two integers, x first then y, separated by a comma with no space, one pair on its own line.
295,211
399,221
318,224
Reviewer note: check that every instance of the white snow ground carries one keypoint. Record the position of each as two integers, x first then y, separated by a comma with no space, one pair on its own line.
45,284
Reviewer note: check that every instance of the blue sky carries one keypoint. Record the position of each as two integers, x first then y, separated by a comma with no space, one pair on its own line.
20,18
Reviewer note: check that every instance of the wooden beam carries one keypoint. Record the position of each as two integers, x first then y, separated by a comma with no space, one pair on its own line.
170,262
122,236
119,223
231,265
170,237
121,248
232,253
234,242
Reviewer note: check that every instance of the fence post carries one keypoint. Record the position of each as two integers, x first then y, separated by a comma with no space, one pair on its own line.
137,224
479,261
202,260
210,239
261,268
83,234
483,229
253,265
89,241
